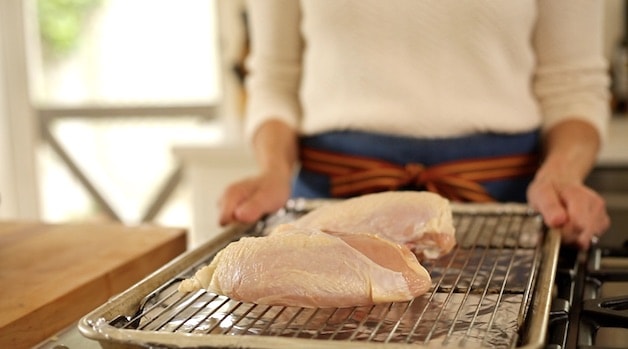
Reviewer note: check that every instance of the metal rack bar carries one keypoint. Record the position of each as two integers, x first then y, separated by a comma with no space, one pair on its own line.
503,286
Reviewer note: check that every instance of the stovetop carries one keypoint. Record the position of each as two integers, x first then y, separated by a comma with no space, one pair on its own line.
590,306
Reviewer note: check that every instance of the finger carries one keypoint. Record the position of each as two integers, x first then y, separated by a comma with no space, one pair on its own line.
253,208
570,234
550,205
587,213
578,236
601,220
584,241
579,229
598,222
268,198
226,207
232,197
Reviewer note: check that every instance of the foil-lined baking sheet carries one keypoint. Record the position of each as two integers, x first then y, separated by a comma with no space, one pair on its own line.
480,295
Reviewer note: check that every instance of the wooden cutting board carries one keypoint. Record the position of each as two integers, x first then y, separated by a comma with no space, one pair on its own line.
53,274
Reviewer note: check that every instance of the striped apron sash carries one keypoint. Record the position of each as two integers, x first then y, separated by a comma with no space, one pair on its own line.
458,180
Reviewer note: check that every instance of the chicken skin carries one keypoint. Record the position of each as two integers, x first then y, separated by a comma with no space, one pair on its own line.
419,219
306,267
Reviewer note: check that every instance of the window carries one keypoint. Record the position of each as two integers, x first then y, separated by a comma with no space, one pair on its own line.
115,84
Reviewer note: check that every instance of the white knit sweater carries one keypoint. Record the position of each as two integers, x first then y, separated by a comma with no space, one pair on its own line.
433,68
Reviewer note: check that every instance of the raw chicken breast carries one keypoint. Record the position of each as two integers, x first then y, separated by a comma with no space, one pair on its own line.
422,220
309,268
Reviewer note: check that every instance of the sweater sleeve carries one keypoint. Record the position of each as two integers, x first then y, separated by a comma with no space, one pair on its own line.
571,79
274,63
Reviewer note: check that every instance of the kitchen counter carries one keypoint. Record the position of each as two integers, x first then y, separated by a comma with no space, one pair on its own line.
53,274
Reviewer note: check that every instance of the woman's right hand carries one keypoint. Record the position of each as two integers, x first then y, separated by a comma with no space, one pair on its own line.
247,200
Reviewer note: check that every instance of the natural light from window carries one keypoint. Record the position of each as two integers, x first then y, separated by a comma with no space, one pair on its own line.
117,53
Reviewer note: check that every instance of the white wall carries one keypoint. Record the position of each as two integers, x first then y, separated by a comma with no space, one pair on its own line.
19,196
7,192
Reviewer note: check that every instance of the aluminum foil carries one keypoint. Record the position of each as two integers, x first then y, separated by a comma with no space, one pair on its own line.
449,319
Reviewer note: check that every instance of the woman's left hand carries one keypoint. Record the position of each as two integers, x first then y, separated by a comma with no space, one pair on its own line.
578,211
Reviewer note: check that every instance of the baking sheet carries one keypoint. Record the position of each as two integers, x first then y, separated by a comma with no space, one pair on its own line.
480,298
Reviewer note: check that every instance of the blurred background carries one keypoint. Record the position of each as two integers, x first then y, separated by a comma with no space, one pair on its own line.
95,93
96,96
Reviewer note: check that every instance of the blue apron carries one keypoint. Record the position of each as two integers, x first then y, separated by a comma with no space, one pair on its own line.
428,152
